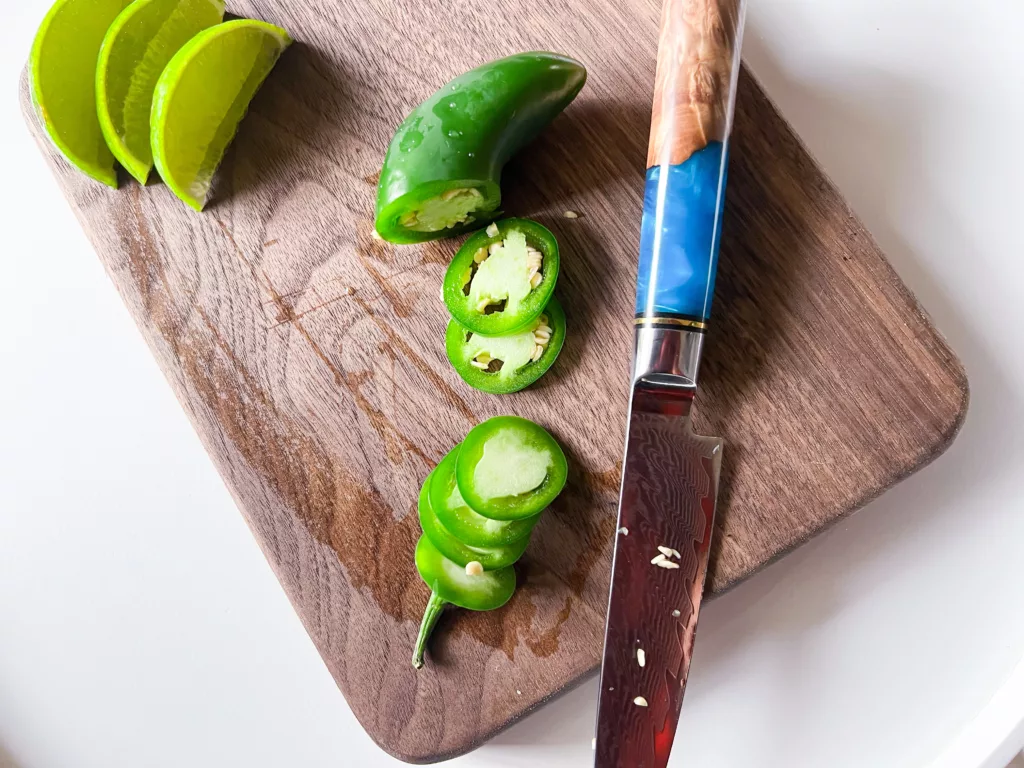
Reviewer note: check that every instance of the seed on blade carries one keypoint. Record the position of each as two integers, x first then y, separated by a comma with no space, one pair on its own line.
641,657
669,552
676,614
640,701
663,563
624,531
658,560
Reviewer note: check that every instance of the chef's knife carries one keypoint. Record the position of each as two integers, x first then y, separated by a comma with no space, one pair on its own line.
670,475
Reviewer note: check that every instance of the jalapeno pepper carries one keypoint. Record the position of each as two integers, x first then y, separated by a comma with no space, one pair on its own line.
468,526
491,558
450,583
504,364
510,468
457,571
483,591
443,168
502,278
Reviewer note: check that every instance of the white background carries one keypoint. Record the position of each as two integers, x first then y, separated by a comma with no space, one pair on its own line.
140,625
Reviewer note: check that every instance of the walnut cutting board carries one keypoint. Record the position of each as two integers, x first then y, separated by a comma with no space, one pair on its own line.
310,356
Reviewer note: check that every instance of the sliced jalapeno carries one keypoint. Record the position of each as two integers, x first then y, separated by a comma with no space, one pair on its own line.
467,526
443,168
450,581
468,587
503,277
491,559
513,465
504,364
510,468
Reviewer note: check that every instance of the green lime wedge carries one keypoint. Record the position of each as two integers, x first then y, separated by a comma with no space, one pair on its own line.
202,96
63,79
138,45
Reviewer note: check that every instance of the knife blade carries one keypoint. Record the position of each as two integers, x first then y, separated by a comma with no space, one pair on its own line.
670,474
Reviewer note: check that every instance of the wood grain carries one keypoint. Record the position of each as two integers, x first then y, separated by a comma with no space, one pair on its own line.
310,356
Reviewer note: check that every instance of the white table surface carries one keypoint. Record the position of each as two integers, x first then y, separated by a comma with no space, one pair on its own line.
140,625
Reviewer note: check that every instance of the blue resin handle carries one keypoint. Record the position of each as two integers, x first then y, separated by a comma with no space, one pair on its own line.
680,236
694,99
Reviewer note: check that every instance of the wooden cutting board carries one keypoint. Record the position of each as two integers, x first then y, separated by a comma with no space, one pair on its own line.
310,356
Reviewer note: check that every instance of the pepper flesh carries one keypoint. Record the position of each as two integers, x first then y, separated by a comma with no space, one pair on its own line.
524,356
442,172
491,287
470,527
510,468
460,553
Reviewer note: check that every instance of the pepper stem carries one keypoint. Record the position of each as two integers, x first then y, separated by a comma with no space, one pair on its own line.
435,607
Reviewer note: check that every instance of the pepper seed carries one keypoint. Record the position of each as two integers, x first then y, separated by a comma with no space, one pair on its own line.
474,568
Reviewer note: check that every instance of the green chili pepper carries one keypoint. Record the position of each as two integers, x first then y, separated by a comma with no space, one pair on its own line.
502,278
474,577
443,168
504,364
510,468
469,527
451,582
491,558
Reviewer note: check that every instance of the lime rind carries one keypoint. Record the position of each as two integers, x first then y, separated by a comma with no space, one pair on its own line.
136,49
62,80
192,119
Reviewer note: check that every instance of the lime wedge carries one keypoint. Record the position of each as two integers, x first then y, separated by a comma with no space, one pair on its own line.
135,51
63,79
202,96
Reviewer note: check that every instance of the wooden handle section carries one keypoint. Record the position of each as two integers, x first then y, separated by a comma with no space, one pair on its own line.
696,57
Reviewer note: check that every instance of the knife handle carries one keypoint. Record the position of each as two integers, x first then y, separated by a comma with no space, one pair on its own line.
694,99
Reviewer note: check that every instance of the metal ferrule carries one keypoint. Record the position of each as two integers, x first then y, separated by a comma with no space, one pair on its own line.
667,357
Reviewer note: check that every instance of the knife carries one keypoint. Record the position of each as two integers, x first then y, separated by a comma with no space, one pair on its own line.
670,475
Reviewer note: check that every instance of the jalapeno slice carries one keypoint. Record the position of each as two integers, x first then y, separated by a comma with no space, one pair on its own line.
491,559
510,468
453,583
504,364
461,521
503,277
